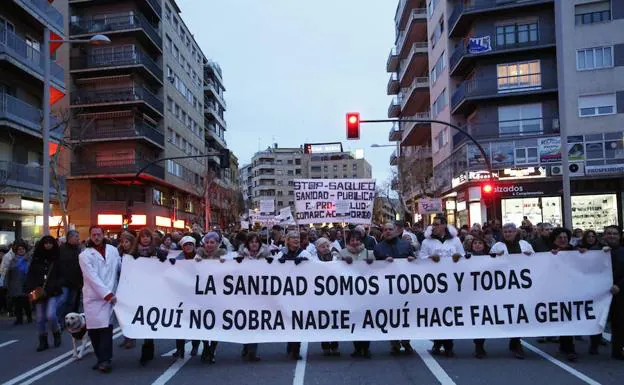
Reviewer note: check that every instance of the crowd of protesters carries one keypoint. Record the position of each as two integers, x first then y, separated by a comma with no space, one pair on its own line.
77,274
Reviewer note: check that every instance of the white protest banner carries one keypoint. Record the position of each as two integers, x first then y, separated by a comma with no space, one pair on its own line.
244,225
316,200
286,217
267,206
254,301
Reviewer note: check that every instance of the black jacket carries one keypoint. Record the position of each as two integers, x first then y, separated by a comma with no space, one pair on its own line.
395,248
541,244
39,268
617,262
69,267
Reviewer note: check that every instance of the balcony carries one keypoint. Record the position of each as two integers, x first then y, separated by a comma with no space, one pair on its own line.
394,158
24,176
462,58
418,49
116,167
410,136
393,84
16,50
212,132
118,61
395,133
111,25
421,84
465,11
394,110
522,85
91,97
212,110
151,6
416,152
507,129
393,61
212,87
118,129
417,15
44,10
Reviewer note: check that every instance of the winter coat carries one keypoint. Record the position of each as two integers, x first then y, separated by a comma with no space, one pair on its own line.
4,266
41,268
361,254
291,256
181,256
15,279
370,243
395,248
617,263
101,276
264,252
541,244
219,253
332,255
446,247
69,266
502,247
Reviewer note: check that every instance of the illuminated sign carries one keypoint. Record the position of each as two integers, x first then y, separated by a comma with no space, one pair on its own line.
522,173
179,224
117,220
163,221
322,148
55,221
472,175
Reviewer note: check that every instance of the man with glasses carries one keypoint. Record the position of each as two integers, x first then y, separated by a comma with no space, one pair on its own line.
612,237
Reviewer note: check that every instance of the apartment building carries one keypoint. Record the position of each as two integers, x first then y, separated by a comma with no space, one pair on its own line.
409,81
22,27
517,72
335,165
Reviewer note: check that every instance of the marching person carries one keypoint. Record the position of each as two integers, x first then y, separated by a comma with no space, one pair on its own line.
390,248
70,274
293,252
127,249
478,247
612,236
441,241
356,251
15,281
512,244
306,244
100,264
253,249
325,253
44,275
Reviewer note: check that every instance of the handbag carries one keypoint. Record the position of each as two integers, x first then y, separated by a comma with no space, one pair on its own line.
38,293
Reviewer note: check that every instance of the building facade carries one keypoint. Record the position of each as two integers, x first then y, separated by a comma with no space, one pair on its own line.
337,165
408,63
22,27
514,75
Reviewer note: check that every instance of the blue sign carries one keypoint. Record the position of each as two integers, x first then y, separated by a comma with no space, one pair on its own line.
479,44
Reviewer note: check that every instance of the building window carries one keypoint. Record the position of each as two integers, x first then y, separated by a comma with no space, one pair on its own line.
440,103
158,197
437,32
167,13
521,75
596,105
516,34
594,12
520,119
439,66
594,58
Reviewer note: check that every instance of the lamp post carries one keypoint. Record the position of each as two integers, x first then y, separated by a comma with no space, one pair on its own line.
45,134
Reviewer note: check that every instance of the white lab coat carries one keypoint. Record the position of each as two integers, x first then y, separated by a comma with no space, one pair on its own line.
101,276
432,246
501,247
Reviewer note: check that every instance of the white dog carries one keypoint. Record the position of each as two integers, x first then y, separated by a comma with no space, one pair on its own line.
76,325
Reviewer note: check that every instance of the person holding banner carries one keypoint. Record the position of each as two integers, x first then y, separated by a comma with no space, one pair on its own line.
304,239
441,241
324,250
356,251
253,249
293,252
477,246
127,248
387,250
612,236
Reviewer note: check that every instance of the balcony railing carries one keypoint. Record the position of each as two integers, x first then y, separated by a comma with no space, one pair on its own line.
115,58
394,108
25,176
420,47
116,167
20,111
422,82
156,5
116,129
416,152
544,37
481,5
393,84
116,95
44,9
106,23
393,60
17,47
508,129
507,85
418,13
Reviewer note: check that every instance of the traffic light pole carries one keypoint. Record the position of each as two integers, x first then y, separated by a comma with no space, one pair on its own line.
486,159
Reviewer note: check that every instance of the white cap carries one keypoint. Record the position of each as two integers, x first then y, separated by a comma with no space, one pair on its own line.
187,239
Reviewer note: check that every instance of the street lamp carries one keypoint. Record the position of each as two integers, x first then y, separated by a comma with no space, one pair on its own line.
96,40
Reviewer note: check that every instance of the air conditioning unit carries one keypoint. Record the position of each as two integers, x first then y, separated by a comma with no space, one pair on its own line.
577,169
556,170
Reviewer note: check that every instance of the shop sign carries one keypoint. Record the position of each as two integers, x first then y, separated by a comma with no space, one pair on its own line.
429,206
459,180
462,196
10,202
604,169
475,158
450,205
479,44
503,154
522,173
472,175
576,150
527,189
549,150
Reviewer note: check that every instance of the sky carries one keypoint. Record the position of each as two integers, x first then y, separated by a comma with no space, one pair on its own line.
293,68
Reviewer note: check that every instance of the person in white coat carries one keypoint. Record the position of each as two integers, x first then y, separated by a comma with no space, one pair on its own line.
441,241
100,264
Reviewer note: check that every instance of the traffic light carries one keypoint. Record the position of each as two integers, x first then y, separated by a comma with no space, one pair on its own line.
487,189
224,158
126,221
353,125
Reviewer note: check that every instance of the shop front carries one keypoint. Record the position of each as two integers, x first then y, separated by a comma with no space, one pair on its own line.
23,219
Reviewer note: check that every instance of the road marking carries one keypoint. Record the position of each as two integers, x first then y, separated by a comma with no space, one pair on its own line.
45,365
175,367
422,348
7,343
560,364
301,365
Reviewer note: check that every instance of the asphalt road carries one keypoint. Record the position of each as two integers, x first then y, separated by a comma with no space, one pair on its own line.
20,364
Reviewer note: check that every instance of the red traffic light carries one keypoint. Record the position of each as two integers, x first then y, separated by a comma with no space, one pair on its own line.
353,125
487,188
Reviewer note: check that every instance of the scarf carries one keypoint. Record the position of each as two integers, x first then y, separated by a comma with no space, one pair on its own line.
513,247
144,251
22,263
355,251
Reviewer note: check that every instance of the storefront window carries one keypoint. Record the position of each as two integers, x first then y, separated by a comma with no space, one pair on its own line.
537,210
594,211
